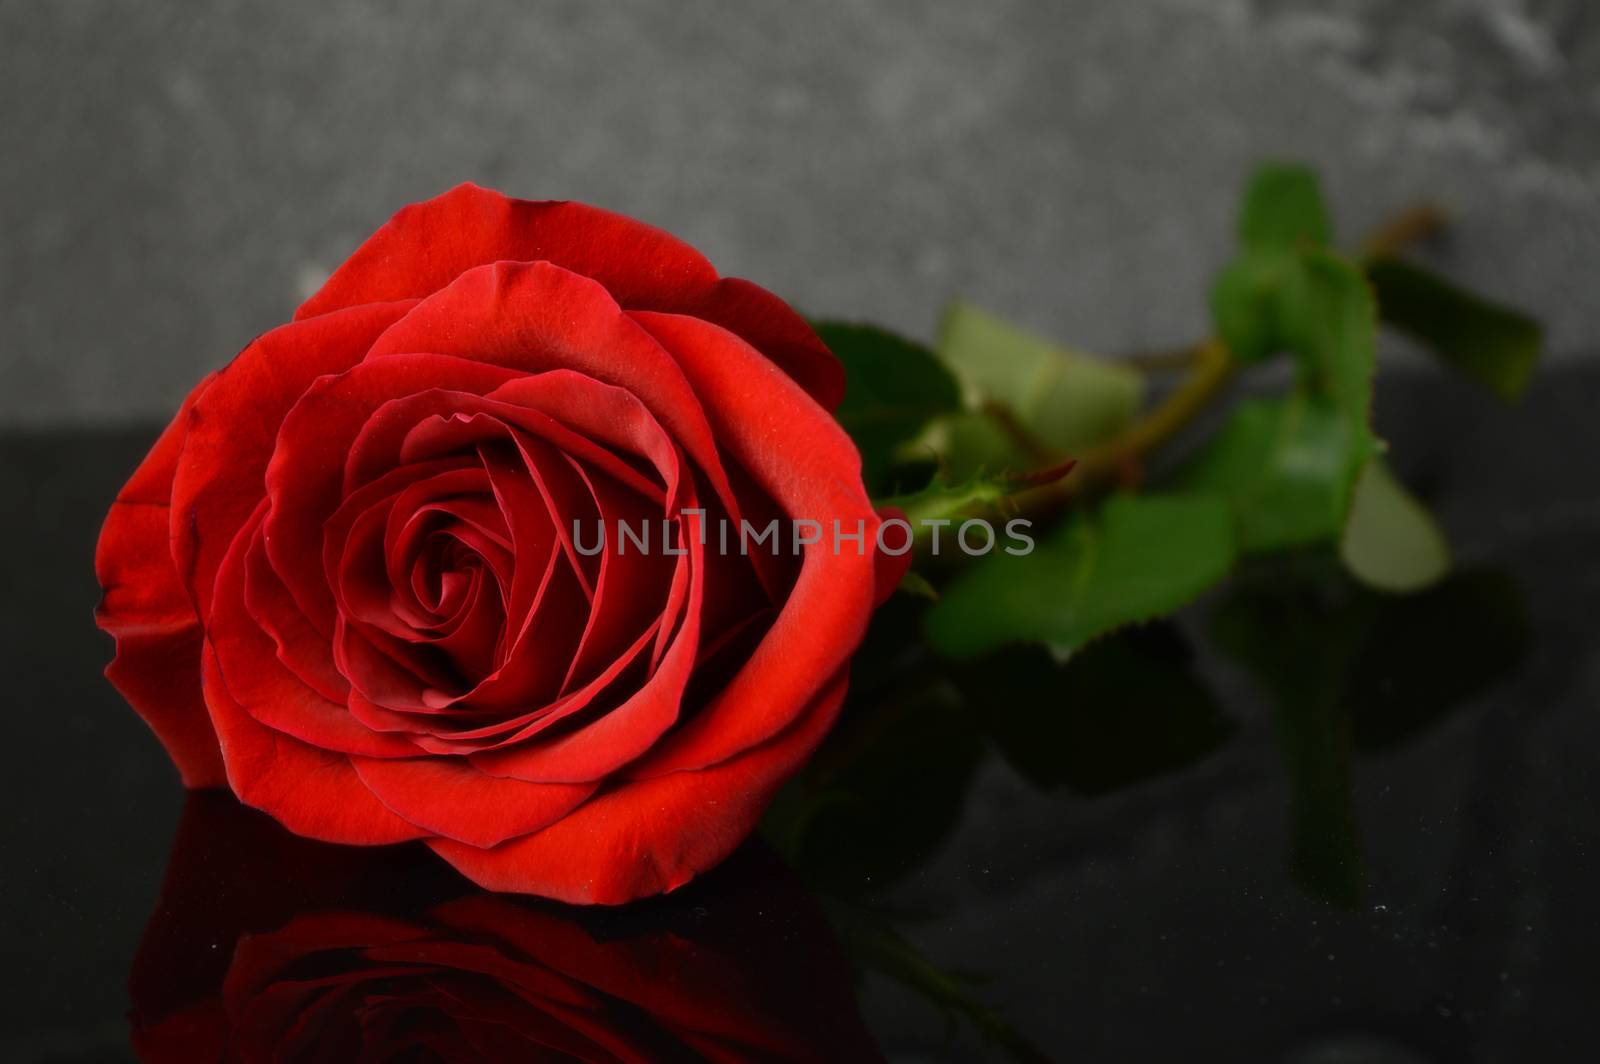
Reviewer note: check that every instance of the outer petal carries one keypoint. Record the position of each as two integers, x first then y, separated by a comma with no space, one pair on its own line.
800,457
450,798
533,317
891,568
311,792
233,426
427,245
649,836
144,607
158,672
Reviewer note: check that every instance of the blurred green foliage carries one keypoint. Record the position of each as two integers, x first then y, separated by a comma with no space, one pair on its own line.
1267,497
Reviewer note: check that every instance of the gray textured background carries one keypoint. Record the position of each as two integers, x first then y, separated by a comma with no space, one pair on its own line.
175,176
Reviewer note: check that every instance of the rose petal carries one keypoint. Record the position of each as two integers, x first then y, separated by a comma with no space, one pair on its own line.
260,685
305,477
310,790
451,799
797,454
158,673
504,732
890,569
622,734
301,649
436,422
234,424
363,517
631,585
535,317
146,609
392,674
648,836
591,411
427,245
372,566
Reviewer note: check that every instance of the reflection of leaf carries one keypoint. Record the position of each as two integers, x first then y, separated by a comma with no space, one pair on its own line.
883,794
1123,710
1063,399
1426,655
887,786
1391,541
1282,633
893,388
1492,344
878,945
892,646
1138,557
1347,666
1281,464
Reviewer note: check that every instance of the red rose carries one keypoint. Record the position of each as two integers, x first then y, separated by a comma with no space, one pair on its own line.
269,947
345,581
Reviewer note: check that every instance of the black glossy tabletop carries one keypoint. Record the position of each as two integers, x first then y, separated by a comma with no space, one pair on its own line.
1303,823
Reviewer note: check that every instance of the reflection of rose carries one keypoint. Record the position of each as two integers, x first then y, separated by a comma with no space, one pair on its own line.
268,947
352,580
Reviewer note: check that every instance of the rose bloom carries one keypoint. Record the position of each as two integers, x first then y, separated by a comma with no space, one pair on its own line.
344,582
268,947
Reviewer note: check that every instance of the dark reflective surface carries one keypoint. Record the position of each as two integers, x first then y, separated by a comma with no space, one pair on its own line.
265,946
1304,822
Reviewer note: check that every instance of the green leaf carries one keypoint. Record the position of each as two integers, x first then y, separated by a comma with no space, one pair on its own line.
1126,709
1244,305
1391,541
1280,217
893,388
1492,344
1329,319
1289,468
1138,557
893,651
1282,209
1061,399
1287,291
1283,465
